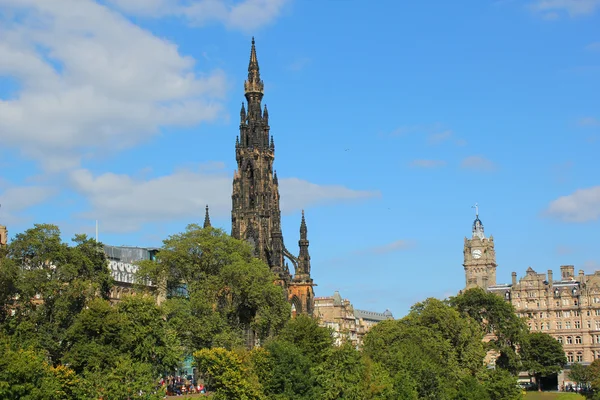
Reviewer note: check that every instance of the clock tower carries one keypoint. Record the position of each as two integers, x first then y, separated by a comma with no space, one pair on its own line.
479,257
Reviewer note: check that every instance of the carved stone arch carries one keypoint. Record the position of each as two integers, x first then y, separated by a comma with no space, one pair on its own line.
295,301
247,163
252,239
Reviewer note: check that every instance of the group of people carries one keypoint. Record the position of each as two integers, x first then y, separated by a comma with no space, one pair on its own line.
178,386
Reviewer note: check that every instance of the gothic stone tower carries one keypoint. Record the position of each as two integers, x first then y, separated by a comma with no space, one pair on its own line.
255,214
301,292
479,257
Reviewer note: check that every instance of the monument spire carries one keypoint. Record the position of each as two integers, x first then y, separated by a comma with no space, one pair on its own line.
254,85
207,218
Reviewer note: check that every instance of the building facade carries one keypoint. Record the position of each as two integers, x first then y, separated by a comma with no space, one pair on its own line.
121,262
255,213
568,308
346,322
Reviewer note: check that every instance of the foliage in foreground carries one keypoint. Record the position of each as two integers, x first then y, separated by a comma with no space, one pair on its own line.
61,338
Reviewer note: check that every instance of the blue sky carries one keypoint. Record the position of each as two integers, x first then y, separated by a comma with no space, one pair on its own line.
391,119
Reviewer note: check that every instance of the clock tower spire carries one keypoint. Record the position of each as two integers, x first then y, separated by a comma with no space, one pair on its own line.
479,257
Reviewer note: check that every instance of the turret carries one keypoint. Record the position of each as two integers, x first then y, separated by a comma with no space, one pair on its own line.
303,272
243,114
207,218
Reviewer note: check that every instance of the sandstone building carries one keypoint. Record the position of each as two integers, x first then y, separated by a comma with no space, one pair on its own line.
346,322
3,235
568,308
255,213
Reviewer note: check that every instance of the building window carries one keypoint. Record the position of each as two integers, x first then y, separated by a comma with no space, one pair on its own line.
531,294
577,339
559,314
567,314
589,324
568,325
577,324
570,357
597,312
579,357
548,325
558,325
597,325
559,339
569,340
596,300
565,302
575,302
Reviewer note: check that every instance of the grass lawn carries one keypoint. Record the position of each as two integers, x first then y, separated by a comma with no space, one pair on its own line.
552,396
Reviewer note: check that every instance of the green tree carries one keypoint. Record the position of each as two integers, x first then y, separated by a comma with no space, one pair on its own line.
284,371
25,374
580,373
495,316
312,340
470,388
53,283
228,374
500,384
542,356
464,334
226,291
102,334
346,374
126,379
416,357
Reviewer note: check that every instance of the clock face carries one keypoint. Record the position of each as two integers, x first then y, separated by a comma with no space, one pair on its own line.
476,254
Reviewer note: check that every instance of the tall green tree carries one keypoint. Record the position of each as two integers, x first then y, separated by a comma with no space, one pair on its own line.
229,374
347,374
580,373
542,356
497,317
103,334
52,284
216,289
312,340
284,372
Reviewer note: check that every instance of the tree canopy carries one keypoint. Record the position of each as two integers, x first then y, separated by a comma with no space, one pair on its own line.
61,337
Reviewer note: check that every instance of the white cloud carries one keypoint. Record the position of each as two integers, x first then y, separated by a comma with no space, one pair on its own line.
91,79
591,266
245,15
297,194
588,121
574,8
439,137
593,46
389,247
427,163
562,250
19,198
14,200
477,163
124,203
299,64
581,206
